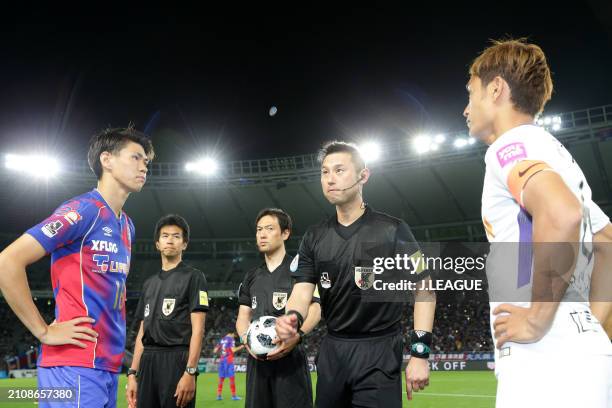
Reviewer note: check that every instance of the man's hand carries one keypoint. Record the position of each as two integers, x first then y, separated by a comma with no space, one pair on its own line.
284,347
417,375
131,391
247,348
519,325
286,327
69,332
185,390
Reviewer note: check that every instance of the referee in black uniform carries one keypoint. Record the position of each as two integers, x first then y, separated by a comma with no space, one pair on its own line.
282,379
172,308
359,361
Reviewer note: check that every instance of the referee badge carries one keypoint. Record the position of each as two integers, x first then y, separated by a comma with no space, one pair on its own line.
279,300
364,277
168,306
325,281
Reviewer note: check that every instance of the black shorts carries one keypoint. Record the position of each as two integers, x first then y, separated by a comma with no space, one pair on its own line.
283,383
159,372
360,372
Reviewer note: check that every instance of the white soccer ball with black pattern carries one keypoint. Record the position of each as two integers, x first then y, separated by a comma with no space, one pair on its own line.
261,334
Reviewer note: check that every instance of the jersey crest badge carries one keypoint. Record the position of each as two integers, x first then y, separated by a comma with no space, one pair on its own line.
364,277
325,281
168,306
279,300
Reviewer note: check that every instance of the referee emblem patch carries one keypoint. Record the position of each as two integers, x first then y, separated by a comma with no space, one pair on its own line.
203,298
325,281
168,306
364,277
279,300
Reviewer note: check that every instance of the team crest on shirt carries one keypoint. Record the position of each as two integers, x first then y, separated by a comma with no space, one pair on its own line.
254,302
364,277
168,306
279,300
325,281
51,229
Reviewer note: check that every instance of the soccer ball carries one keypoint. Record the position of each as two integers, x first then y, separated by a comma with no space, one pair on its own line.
261,334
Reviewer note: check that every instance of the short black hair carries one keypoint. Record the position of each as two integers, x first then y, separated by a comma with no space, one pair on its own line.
284,220
112,140
337,146
172,219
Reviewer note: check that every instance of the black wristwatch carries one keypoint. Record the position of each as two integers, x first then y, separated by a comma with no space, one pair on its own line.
191,370
133,372
301,334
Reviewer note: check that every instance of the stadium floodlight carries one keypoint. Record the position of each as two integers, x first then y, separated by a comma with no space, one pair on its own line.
556,119
460,143
35,165
540,122
471,141
370,151
206,166
422,144
547,120
556,126
439,139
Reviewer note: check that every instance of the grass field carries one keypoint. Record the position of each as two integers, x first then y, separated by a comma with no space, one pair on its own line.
469,389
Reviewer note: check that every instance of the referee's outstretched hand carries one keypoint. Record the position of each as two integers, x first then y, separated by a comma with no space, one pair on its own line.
286,327
417,375
69,332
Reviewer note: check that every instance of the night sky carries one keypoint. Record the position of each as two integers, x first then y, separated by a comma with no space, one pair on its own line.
207,86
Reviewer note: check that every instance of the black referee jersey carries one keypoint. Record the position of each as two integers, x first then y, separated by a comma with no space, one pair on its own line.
284,382
167,300
340,260
265,292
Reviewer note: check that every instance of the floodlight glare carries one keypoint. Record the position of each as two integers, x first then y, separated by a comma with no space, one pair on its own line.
370,151
206,166
460,143
439,139
422,144
35,165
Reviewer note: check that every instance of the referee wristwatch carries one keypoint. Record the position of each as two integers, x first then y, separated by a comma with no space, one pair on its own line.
133,372
191,370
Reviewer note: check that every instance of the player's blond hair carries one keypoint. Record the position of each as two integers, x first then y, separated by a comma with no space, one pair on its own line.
523,66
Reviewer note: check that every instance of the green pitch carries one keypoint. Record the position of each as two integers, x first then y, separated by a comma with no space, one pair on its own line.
473,389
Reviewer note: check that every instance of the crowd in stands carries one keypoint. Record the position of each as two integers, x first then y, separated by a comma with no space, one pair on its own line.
461,325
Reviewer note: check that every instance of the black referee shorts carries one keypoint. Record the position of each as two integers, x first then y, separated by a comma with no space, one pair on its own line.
283,383
360,372
160,370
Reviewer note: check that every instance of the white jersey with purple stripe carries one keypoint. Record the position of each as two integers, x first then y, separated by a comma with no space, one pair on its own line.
511,161
90,251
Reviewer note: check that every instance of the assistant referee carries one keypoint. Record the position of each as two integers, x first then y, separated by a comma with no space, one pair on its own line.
172,308
282,379
359,361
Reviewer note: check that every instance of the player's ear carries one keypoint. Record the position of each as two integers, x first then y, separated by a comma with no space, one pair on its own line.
157,245
364,176
105,160
285,234
496,87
